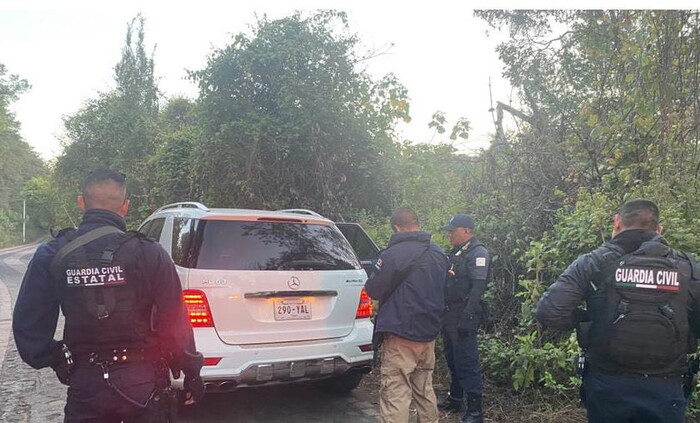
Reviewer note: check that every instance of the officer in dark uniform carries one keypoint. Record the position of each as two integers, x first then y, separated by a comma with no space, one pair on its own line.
125,320
642,316
469,272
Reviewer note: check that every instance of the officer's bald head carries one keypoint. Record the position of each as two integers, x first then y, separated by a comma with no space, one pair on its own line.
404,219
104,189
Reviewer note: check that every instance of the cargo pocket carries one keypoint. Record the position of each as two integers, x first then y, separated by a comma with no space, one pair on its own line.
644,340
134,381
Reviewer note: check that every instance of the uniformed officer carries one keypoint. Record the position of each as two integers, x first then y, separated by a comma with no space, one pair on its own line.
125,321
642,300
468,275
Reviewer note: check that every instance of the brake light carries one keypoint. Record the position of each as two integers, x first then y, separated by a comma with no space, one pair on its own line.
363,348
197,308
364,309
211,361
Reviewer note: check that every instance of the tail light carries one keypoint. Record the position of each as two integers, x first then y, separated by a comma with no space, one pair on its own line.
213,361
197,308
364,309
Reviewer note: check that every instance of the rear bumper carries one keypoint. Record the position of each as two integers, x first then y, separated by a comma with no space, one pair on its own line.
288,362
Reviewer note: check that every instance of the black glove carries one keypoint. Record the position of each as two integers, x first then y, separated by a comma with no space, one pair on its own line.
194,389
62,362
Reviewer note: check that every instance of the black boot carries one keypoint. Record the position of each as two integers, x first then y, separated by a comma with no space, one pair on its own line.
451,404
473,414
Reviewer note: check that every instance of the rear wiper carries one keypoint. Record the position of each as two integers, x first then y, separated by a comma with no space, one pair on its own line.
308,264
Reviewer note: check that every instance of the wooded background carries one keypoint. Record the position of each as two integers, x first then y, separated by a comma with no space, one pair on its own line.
607,110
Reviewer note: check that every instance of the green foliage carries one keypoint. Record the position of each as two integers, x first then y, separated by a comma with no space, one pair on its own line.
289,121
607,108
525,361
118,129
178,135
18,161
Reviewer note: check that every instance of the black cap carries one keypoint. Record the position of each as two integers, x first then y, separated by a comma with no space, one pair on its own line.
460,220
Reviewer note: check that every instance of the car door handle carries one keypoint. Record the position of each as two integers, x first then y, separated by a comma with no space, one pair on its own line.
279,294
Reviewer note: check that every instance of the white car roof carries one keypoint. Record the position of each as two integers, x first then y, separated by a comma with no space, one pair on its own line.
198,210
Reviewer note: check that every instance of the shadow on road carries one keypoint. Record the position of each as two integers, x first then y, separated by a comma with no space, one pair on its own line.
284,403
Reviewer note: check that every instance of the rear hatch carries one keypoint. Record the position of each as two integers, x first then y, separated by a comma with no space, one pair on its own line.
276,280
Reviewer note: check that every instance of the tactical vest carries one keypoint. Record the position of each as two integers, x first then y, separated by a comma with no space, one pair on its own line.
639,312
102,295
458,283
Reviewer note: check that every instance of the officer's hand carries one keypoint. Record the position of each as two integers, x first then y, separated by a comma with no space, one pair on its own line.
194,389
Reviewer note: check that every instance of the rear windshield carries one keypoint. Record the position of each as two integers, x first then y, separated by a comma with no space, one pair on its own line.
235,245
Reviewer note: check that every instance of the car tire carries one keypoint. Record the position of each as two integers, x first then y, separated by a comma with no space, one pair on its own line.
340,385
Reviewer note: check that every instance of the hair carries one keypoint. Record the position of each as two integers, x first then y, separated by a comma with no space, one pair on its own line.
639,214
404,217
104,188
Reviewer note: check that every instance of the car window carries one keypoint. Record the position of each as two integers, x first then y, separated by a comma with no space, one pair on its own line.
359,240
145,227
154,229
235,245
183,236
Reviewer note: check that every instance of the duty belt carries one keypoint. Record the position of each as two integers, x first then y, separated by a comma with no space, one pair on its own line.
120,355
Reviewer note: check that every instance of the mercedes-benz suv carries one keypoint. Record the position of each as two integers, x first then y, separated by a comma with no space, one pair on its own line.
273,297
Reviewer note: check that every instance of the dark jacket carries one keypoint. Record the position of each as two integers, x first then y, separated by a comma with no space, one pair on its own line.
147,264
409,283
470,272
558,306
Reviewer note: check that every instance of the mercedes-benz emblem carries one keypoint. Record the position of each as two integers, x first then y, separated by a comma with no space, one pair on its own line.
294,282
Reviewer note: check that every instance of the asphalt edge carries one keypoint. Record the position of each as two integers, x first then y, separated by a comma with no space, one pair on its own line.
5,320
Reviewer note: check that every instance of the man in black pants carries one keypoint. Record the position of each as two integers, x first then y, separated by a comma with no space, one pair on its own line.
469,272
125,320
642,310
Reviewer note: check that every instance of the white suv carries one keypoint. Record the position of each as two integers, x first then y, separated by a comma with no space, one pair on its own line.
273,297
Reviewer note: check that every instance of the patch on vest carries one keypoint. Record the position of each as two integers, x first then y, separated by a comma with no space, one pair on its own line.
378,265
95,276
641,277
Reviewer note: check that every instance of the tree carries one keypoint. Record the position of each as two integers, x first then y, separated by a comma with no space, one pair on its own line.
179,133
117,129
608,111
18,161
289,121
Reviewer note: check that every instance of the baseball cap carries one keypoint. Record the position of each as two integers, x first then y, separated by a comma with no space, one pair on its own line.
460,220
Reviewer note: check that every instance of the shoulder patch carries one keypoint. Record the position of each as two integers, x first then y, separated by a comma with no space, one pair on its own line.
378,264
481,261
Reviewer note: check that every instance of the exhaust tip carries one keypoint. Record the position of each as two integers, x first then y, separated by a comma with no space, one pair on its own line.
229,385
362,369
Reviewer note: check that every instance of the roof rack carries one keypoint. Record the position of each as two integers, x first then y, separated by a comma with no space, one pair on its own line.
184,205
301,211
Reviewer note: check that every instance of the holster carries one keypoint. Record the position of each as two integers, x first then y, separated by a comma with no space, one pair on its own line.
583,334
63,363
583,337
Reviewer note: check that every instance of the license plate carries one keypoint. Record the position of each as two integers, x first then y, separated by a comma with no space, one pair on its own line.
292,309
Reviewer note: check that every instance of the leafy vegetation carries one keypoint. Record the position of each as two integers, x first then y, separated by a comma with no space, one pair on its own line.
608,110
18,162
